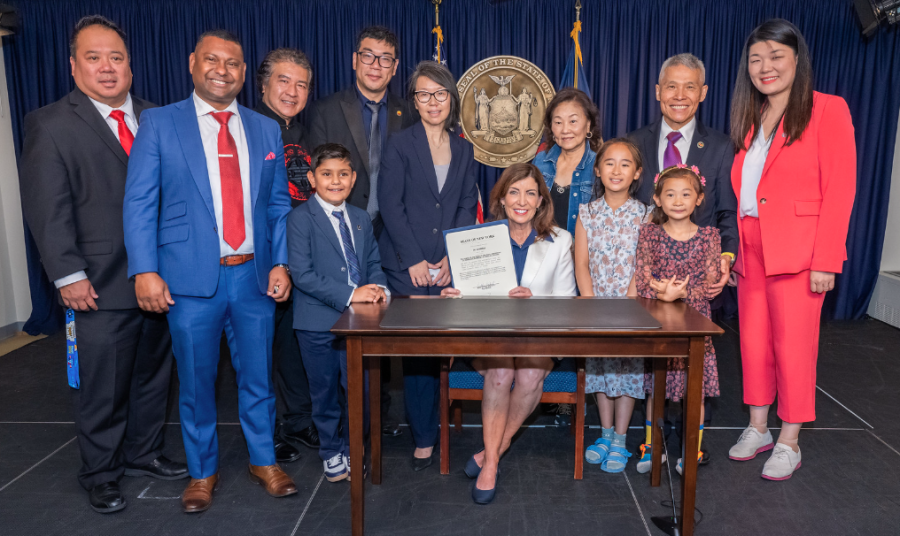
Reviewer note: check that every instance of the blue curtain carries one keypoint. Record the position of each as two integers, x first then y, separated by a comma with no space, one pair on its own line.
624,43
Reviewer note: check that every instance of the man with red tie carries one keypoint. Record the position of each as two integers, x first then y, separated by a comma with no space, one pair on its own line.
73,168
206,204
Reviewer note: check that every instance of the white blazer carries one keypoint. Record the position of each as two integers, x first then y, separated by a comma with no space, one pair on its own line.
549,268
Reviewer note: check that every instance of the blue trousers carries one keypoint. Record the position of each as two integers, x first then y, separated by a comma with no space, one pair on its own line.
196,325
421,377
325,359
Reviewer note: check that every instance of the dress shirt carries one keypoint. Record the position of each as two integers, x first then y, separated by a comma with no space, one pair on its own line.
751,173
209,133
367,118
131,123
683,145
336,225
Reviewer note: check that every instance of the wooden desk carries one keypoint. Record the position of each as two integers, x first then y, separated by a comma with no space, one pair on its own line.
681,335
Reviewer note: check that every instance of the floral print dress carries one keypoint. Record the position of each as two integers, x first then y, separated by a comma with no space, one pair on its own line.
612,237
660,256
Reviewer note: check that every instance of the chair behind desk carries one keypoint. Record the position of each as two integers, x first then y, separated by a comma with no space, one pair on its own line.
564,385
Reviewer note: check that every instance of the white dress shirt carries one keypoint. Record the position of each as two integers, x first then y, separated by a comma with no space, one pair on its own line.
131,123
751,173
683,145
336,225
209,133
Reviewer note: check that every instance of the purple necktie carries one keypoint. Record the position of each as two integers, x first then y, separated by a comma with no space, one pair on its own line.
672,155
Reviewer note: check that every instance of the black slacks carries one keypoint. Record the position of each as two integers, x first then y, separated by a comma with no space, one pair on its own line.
291,383
125,363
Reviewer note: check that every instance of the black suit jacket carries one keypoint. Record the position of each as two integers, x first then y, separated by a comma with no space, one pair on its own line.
72,179
713,153
415,213
338,119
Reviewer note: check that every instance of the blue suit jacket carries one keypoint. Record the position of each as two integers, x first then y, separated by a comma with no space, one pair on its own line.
318,268
415,214
170,225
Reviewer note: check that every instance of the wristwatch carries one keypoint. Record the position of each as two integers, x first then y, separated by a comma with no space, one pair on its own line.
285,266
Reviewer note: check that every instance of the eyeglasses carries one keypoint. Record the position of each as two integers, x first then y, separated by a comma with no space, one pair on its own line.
424,96
368,58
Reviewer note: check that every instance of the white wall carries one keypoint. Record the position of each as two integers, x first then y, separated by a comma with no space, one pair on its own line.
890,256
15,299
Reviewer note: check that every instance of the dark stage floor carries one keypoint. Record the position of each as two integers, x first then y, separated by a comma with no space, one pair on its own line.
849,483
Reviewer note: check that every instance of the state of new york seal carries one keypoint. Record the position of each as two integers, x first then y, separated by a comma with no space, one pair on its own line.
503,104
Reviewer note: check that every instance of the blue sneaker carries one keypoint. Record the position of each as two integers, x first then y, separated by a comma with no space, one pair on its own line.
616,460
596,453
336,468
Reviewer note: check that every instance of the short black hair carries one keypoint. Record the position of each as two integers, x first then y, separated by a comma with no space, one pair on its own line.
221,34
379,33
95,20
440,75
329,151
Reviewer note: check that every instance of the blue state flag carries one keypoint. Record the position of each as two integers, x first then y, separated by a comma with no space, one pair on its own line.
574,75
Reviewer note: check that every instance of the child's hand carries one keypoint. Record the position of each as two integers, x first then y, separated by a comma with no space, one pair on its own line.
659,285
368,294
675,290
450,292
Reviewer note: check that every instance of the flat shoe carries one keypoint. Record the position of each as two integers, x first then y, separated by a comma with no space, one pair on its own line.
472,469
485,496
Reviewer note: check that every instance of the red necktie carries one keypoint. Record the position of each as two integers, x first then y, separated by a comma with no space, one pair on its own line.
126,138
232,191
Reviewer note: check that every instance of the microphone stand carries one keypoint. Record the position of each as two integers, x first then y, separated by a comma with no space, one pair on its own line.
669,525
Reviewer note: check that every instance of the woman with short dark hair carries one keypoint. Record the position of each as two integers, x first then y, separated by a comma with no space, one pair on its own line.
795,179
426,185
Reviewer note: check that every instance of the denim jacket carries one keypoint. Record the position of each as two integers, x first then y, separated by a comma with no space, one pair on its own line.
582,179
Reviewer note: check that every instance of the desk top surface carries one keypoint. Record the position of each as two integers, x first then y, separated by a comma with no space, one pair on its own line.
663,320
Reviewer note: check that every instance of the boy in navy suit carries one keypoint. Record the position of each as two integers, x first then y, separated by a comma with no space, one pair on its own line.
334,262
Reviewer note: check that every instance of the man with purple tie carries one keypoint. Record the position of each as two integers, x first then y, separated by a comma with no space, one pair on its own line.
679,137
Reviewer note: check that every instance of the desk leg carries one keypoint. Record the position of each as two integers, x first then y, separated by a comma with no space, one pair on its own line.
355,394
445,416
659,410
691,435
374,366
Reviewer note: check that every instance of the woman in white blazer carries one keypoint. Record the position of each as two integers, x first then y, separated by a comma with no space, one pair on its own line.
542,254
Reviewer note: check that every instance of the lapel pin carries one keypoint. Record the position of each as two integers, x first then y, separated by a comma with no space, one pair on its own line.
699,144
359,227
399,113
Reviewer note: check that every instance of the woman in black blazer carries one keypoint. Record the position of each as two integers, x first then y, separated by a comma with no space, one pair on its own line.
427,185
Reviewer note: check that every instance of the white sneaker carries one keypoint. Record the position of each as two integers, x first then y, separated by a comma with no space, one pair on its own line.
336,468
750,444
782,464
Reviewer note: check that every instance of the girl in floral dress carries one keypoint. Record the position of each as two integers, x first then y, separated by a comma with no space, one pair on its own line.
606,239
677,260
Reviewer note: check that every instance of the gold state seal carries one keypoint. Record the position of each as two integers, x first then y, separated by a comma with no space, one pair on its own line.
503,104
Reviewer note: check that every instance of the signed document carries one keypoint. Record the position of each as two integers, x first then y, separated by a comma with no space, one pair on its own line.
481,261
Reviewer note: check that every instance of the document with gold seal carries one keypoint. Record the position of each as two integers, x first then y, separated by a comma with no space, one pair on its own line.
503,104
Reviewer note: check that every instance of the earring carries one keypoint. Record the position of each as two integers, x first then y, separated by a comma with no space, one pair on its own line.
589,135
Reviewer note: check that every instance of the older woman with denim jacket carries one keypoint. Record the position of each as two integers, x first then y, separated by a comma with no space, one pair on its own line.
572,131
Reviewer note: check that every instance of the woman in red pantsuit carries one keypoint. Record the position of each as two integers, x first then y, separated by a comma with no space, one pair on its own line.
795,179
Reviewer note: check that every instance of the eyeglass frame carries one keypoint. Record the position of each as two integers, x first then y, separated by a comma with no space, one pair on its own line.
430,95
362,53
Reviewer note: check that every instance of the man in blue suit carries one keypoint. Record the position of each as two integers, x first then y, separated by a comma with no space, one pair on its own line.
335,261
206,201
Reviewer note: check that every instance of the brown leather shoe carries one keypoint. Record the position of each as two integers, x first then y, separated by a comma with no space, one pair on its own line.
197,496
271,477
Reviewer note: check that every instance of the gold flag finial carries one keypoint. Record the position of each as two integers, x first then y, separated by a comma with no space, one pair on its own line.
437,5
577,10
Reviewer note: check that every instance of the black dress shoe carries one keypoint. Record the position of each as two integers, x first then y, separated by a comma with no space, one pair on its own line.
285,452
308,437
391,430
107,498
421,463
161,468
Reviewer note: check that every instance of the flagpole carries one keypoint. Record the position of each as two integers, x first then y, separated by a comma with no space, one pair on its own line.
437,28
575,32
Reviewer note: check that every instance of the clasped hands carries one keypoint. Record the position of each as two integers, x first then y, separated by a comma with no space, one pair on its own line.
422,278
669,290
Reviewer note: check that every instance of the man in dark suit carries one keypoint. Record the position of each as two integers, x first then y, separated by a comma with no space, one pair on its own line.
679,137
205,208
362,118
74,163
284,78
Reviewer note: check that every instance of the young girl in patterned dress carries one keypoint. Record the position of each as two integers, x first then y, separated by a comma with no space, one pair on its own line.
677,260
606,239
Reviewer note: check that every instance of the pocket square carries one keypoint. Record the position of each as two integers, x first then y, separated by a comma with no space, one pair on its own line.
270,156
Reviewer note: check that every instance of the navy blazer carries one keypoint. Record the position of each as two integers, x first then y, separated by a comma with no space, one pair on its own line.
318,268
415,214
170,223
713,153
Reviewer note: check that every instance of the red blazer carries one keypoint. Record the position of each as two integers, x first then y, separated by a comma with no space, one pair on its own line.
806,193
